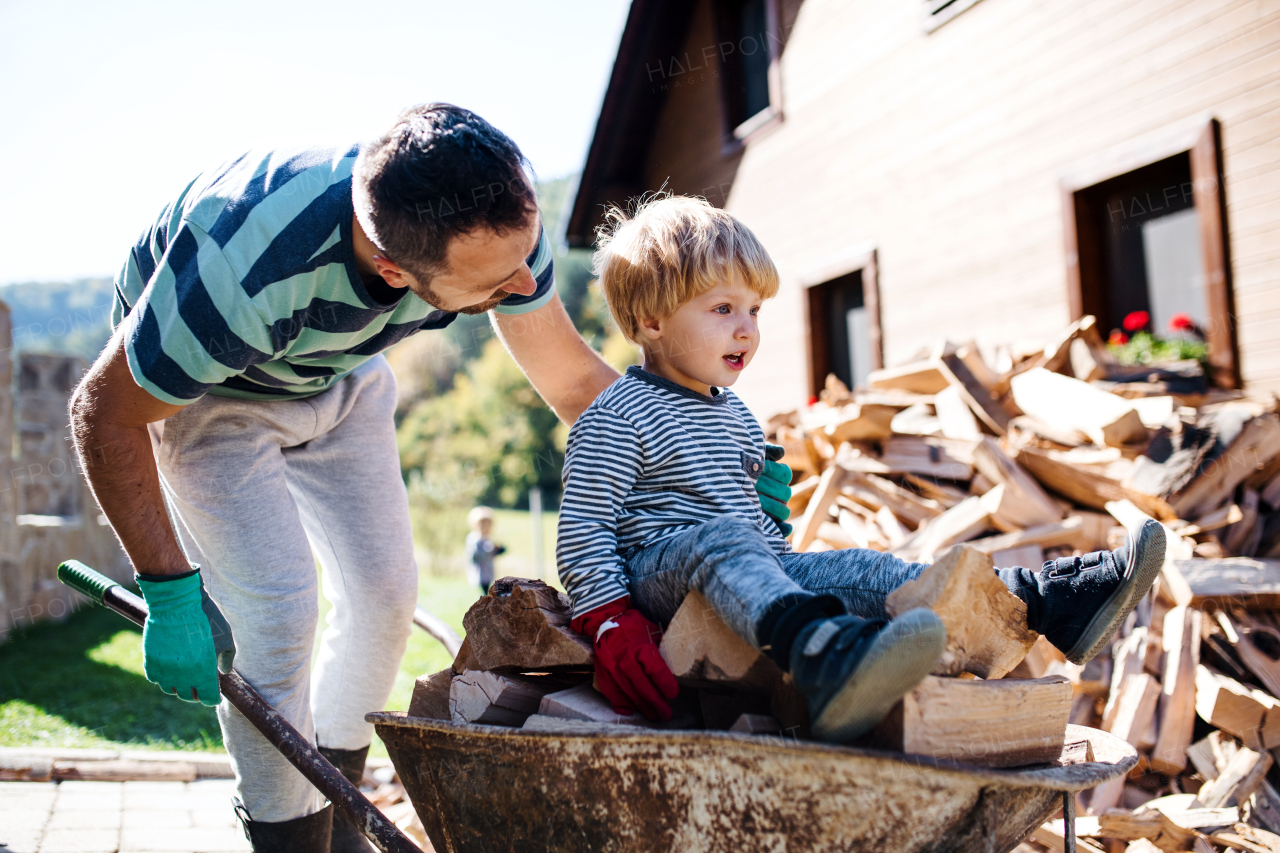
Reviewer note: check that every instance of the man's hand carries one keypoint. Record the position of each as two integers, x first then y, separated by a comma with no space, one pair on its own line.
565,372
773,487
186,639
630,671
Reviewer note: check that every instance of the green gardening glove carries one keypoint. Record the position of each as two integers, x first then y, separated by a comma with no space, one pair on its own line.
186,639
773,487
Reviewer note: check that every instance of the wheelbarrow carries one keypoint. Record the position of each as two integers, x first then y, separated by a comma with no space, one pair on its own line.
614,789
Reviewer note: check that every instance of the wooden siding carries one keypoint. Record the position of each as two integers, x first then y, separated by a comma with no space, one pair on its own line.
945,152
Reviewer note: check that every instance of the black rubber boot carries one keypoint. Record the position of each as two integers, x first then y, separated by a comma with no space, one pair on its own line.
350,763
853,671
310,834
1079,603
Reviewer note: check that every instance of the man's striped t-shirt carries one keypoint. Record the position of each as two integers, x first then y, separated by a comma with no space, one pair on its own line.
647,460
246,285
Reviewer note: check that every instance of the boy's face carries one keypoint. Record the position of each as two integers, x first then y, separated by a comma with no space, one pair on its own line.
708,341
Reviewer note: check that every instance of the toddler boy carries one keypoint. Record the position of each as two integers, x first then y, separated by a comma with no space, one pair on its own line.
660,499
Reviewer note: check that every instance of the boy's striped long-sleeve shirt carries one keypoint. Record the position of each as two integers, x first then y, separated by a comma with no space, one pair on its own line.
647,460
246,285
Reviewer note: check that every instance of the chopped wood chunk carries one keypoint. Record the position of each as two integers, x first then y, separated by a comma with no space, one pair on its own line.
1226,704
1181,641
1003,723
1053,398
1257,442
1257,644
523,626
1031,504
819,508
920,377
1069,533
993,411
987,631
489,698
1086,485
431,696
1135,708
852,422
1030,556
756,724
964,521
954,415
584,702
1238,781
1236,581
701,650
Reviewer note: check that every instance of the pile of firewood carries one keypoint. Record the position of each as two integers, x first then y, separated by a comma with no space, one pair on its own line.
1054,455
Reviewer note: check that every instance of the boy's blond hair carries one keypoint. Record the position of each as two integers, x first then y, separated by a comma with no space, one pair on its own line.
670,250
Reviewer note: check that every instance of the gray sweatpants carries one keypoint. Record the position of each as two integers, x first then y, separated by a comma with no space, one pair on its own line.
730,562
253,490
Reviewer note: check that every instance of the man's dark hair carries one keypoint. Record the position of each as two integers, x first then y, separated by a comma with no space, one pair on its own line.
438,172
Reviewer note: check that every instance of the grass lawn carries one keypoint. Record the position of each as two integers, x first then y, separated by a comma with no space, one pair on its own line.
79,683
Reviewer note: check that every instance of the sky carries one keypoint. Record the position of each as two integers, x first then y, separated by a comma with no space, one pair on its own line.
107,109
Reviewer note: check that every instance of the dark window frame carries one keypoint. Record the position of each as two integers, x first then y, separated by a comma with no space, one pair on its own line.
1201,139
736,135
862,260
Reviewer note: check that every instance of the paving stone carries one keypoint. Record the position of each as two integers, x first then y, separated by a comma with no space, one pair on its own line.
158,819
18,840
224,816
74,818
80,841
181,840
90,795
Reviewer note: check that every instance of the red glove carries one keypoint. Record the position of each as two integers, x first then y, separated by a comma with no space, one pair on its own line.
629,670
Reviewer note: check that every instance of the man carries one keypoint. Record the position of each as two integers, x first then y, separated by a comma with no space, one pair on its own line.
241,417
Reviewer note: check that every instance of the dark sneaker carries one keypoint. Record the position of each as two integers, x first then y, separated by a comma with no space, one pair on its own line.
1080,602
852,671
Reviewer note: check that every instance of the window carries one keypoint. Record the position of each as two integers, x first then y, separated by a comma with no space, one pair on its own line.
844,321
749,48
938,12
1145,231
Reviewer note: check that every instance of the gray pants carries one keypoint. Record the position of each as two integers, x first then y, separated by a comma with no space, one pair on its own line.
730,562
253,490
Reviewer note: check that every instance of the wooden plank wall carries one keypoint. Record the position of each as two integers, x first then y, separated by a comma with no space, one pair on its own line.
945,151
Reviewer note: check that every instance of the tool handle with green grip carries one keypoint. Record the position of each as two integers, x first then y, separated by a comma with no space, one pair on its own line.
103,590
296,748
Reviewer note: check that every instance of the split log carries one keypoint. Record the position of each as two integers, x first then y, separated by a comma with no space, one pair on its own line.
920,377
954,415
986,406
1085,485
940,458
584,702
124,770
1245,534
1257,644
1150,824
1026,556
1181,640
1256,444
819,508
1033,503
466,659
1135,708
876,492
1211,756
801,493
701,650
1003,723
1226,704
1129,657
1045,836
431,696
1246,772
852,422
756,724
523,626
489,698
1057,352
1249,838
987,631
1053,398
1068,533
1236,581
967,520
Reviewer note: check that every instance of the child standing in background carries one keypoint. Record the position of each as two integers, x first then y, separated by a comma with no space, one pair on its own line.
480,548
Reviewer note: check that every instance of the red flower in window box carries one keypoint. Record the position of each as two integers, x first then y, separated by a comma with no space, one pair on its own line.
1136,321
1181,323
1118,338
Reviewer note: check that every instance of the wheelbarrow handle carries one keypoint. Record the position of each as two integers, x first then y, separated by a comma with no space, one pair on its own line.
289,741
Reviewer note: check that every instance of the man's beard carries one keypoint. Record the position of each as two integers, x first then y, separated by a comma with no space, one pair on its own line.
431,298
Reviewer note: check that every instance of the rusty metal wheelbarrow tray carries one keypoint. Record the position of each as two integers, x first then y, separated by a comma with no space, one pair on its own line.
611,789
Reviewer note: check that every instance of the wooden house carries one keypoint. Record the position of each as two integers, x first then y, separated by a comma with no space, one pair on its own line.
965,169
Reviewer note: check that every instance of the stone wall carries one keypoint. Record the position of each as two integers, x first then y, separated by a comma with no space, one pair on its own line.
47,513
